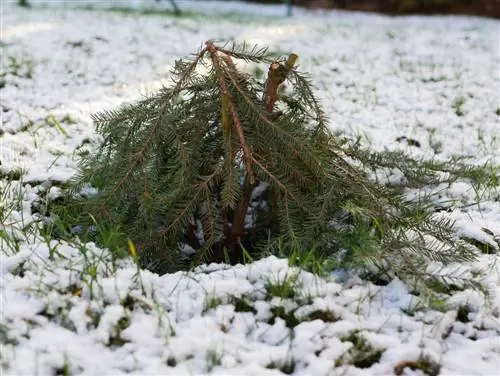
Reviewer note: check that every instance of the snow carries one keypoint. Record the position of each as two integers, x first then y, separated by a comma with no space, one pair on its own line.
379,77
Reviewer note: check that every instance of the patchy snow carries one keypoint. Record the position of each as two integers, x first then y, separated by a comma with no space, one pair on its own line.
430,79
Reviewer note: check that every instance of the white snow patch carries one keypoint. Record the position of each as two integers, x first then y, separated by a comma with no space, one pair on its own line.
380,77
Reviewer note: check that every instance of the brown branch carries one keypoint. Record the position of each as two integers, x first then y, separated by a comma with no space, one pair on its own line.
265,118
247,155
275,77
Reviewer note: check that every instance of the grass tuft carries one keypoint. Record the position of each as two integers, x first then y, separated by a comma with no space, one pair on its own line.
286,288
212,302
361,354
424,364
213,359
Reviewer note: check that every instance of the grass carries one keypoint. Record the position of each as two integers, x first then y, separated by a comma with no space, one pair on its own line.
142,11
116,340
15,66
458,105
5,338
212,359
243,305
361,354
15,174
286,286
65,370
145,11
212,302
483,178
92,268
287,367
424,364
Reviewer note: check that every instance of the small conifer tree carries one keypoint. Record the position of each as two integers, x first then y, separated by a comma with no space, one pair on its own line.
221,163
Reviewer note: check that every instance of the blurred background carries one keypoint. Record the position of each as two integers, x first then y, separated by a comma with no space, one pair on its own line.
485,8
488,8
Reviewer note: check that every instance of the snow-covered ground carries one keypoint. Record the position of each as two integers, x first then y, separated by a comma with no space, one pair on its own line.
434,80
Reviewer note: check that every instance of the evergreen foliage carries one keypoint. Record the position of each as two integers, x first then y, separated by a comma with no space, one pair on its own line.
231,166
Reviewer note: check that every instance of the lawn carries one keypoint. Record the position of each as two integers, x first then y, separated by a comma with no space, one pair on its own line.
424,85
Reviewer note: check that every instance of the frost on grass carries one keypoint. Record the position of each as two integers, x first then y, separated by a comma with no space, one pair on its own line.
68,309
124,320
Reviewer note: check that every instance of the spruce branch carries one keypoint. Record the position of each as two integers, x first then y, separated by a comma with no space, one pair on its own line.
219,161
228,101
